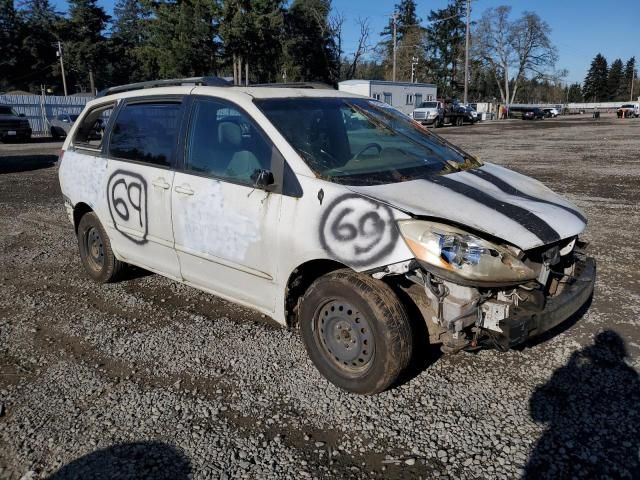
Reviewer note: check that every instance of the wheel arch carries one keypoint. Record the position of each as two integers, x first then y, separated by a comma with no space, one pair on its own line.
79,210
300,279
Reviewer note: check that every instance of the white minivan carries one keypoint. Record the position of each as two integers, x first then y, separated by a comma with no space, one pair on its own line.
329,212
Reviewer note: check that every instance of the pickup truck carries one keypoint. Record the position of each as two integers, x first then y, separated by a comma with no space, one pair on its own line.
438,114
12,125
629,110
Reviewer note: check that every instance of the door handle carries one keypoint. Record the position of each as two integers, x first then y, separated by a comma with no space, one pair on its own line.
160,183
184,190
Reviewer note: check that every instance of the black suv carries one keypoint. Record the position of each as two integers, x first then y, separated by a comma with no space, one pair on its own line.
12,125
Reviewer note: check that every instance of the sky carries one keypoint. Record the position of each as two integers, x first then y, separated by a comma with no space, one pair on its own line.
580,28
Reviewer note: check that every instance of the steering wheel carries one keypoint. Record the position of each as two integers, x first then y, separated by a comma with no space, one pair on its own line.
367,147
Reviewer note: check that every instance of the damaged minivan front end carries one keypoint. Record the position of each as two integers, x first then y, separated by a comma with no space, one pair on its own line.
474,292
497,255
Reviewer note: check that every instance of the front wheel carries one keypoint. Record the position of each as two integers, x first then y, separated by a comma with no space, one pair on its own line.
356,331
95,250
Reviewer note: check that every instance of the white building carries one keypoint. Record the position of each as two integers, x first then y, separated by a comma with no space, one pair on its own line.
404,96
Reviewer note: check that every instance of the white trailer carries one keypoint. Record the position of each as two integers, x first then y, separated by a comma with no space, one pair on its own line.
405,96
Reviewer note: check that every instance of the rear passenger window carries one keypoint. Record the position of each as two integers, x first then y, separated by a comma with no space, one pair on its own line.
90,132
146,132
224,143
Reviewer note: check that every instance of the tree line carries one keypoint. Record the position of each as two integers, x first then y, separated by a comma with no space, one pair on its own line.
512,59
150,39
609,84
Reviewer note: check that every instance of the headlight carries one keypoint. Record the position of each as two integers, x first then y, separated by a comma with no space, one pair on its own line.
459,255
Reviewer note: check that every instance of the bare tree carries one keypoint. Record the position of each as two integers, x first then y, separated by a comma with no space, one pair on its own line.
361,49
336,23
511,50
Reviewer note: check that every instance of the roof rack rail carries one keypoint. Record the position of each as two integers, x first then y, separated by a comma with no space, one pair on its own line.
315,85
206,81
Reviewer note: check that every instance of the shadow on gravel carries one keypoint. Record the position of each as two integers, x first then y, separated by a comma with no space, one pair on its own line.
129,461
25,163
592,408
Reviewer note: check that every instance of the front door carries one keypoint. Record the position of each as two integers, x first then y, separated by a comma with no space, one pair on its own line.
140,177
225,229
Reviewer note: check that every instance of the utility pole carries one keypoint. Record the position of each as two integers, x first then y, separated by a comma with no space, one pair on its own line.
395,16
633,74
92,84
64,79
466,53
414,62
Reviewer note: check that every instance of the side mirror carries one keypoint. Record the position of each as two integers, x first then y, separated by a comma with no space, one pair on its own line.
263,178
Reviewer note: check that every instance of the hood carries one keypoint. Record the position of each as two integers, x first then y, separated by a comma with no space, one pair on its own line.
490,199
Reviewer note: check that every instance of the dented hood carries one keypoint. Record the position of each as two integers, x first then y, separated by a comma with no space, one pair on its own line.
490,199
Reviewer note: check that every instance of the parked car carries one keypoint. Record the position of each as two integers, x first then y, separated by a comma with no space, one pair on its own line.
629,110
550,112
533,114
61,124
13,126
329,212
469,113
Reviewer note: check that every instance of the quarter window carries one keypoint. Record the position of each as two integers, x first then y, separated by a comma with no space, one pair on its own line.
146,132
90,132
224,143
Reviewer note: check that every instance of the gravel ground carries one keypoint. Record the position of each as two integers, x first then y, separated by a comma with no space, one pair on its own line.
148,378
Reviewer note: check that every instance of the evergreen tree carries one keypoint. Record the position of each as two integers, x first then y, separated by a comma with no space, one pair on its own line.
615,81
252,31
38,46
180,40
446,40
574,95
128,37
10,34
86,50
630,75
409,33
595,87
310,52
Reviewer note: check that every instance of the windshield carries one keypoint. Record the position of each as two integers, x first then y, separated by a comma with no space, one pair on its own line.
362,142
7,111
429,105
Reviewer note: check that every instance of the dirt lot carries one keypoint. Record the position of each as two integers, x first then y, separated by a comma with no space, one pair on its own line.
147,378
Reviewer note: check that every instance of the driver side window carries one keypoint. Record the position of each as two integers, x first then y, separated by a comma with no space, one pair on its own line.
224,143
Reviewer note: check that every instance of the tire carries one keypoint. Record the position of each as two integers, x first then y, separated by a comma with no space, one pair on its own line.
373,341
54,133
95,250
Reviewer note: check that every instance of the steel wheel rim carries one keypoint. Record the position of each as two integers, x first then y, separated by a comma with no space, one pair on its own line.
94,248
345,335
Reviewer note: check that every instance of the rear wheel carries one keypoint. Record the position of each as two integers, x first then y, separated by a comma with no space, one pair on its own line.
95,250
356,331
54,133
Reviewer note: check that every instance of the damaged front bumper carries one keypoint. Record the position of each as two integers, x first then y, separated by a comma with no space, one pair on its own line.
525,323
464,317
